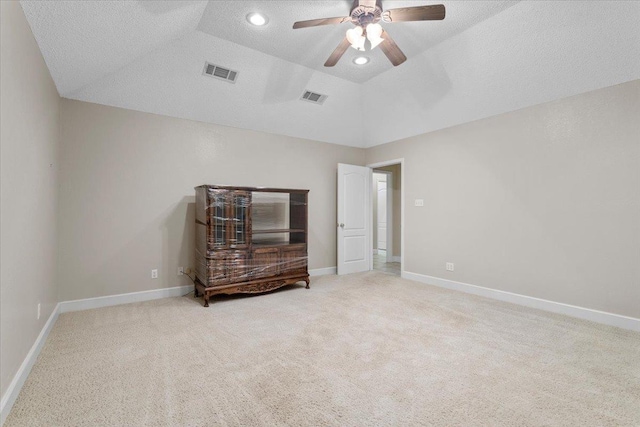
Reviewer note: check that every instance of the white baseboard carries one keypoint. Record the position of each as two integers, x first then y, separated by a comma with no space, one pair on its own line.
98,302
86,304
110,300
603,317
322,271
14,388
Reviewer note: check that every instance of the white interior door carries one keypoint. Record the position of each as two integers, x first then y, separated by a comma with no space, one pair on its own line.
382,215
354,229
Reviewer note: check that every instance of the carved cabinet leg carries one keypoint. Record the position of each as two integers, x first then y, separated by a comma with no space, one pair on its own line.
206,300
195,292
308,281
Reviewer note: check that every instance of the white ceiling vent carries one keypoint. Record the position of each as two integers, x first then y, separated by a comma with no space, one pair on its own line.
219,72
316,98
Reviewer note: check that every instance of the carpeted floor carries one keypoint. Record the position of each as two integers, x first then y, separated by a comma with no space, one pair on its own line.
365,349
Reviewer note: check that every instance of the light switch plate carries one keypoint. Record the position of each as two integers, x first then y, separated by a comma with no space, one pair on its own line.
419,202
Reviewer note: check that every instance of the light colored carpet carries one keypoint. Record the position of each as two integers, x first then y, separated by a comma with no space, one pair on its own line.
366,349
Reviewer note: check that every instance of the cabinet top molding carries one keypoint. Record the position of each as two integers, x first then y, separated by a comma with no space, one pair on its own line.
264,189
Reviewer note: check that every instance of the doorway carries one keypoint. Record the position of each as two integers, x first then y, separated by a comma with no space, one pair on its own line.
355,222
386,218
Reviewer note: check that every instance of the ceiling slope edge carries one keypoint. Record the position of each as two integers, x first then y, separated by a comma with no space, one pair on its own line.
501,65
112,34
265,97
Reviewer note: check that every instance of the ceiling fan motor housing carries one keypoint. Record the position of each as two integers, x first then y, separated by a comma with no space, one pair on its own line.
364,15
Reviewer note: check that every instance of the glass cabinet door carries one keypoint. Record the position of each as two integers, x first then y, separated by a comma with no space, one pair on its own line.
240,214
218,206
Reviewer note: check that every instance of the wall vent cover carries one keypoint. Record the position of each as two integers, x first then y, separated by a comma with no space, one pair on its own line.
314,97
219,72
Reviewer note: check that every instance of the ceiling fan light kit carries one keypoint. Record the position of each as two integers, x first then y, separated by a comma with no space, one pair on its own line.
366,15
374,34
360,60
355,37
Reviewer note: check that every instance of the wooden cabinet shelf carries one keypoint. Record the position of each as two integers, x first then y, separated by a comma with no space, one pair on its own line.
279,230
231,257
273,243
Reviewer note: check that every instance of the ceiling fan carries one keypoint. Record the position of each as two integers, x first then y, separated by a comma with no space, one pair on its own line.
366,15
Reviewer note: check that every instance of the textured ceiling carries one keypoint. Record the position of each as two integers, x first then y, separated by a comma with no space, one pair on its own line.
534,52
312,46
485,58
84,40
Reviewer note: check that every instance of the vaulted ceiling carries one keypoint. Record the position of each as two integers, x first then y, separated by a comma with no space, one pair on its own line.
485,58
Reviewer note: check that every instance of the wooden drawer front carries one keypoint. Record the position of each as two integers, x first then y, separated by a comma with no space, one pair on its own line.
238,268
265,262
228,267
294,260
217,271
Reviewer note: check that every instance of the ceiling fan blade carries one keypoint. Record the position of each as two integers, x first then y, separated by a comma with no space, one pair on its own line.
391,49
434,12
337,54
321,21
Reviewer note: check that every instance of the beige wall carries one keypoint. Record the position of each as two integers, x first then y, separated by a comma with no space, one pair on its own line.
516,201
543,202
127,198
29,156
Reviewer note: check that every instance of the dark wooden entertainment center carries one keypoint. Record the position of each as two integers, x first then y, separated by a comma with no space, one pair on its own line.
249,239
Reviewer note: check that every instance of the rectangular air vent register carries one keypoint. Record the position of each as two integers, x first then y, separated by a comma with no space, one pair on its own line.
219,72
316,98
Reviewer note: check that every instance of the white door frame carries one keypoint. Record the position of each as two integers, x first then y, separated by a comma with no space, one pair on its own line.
402,185
389,212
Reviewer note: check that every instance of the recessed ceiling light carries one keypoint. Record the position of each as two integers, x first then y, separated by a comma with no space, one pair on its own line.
256,19
360,60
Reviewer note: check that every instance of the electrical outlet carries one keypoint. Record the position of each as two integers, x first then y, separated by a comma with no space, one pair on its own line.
154,274
449,266
180,271
418,202
38,311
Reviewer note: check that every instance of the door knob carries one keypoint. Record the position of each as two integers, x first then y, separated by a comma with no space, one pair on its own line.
341,225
